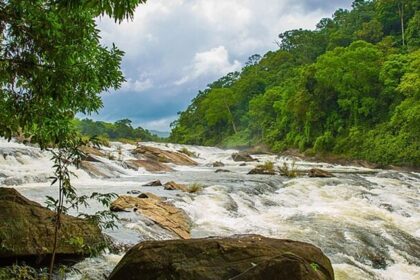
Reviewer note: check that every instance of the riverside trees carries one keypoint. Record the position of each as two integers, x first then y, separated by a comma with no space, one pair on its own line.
350,87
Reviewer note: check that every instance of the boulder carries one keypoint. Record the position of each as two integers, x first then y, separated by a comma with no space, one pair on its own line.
27,231
222,171
156,183
262,171
172,186
218,164
163,156
243,157
316,172
239,257
149,165
153,207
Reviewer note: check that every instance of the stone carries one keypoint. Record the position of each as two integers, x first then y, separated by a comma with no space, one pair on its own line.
222,171
218,164
261,171
156,183
239,257
172,186
163,156
27,231
154,208
316,172
149,165
243,157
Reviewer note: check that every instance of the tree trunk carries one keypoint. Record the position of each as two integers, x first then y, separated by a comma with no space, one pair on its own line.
401,12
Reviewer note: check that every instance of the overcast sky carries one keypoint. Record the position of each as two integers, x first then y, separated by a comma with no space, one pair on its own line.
173,48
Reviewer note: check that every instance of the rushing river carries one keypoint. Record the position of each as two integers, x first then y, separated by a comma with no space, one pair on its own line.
366,221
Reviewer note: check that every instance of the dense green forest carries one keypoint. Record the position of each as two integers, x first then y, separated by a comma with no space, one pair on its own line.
351,87
121,130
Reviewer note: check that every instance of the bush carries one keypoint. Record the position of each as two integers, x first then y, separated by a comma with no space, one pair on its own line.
195,188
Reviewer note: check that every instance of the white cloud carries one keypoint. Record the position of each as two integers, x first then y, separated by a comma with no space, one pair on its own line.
212,62
161,124
190,43
137,85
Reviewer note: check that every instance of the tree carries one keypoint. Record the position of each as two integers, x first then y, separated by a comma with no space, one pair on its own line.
52,64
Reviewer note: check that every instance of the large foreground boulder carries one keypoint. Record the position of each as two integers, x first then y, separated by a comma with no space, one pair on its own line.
163,213
239,257
27,230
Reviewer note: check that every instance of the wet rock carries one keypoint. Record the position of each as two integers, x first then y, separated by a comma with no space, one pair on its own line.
92,151
149,165
156,183
93,169
172,186
218,164
222,171
262,171
154,208
163,156
27,230
242,164
134,192
239,257
316,172
243,157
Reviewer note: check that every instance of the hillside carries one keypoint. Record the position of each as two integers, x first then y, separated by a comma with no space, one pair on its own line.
351,87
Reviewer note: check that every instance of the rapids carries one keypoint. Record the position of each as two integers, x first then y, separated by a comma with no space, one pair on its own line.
366,221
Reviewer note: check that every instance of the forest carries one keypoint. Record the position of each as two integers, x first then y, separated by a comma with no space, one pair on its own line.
351,87
121,130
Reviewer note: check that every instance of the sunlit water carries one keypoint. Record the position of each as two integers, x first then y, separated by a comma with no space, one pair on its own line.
366,221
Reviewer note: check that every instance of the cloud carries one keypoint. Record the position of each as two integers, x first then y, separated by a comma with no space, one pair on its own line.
173,48
214,61
137,85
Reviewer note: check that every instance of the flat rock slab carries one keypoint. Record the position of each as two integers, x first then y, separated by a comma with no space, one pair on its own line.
156,209
149,165
163,156
239,257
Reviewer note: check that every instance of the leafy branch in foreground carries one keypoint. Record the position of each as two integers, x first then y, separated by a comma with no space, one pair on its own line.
67,154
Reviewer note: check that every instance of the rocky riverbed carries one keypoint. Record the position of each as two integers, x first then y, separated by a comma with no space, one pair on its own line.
366,221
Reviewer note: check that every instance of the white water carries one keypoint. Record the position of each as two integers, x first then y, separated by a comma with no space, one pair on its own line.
368,224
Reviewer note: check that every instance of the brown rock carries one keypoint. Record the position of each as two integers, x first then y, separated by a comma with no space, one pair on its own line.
172,186
154,208
149,165
91,167
316,172
164,156
243,157
156,183
262,171
218,164
27,230
240,257
222,171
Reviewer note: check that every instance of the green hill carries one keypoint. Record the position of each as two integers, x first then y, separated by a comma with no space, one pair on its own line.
351,87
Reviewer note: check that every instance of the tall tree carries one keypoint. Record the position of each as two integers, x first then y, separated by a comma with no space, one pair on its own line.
52,64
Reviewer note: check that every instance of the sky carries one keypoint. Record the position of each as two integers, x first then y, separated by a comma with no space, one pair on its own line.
173,48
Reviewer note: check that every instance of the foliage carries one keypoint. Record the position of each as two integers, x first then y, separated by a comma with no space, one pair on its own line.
68,154
350,87
195,188
121,131
267,166
288,170
22,272
187,152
